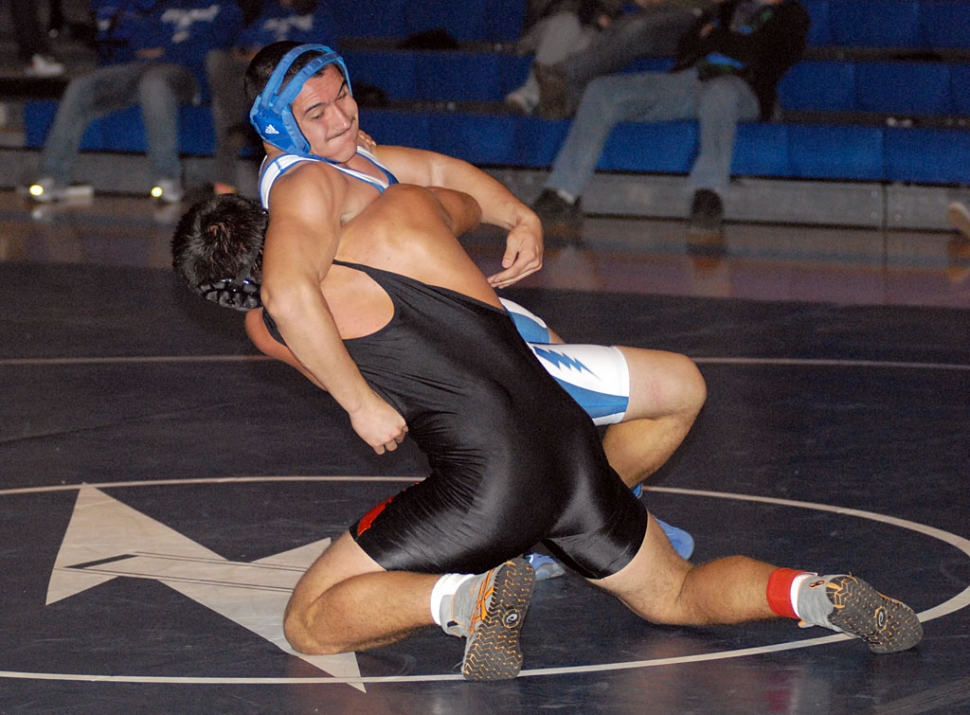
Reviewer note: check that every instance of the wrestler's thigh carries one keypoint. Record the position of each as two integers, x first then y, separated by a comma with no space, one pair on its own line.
343,559
662,383
650,584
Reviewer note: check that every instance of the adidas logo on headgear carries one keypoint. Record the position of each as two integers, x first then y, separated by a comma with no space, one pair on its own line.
270,129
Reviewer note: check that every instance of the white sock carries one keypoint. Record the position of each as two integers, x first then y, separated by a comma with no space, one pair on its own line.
795,584
446,587
566,196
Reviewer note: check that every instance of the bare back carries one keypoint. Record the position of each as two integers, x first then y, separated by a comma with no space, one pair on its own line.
412,231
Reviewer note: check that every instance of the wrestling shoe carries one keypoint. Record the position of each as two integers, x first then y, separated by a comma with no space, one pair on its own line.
682,542
489,613
850,605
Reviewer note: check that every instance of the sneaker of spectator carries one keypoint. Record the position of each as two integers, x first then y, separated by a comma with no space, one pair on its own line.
959,217
706,212
168,191
44,66
46,190
522,101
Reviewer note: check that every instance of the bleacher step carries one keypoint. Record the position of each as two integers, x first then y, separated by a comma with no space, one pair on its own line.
816,203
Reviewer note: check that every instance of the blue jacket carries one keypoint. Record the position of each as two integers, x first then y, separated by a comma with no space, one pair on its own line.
278,22
185,30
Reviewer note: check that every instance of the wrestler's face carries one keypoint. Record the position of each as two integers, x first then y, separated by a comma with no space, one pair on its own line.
327,115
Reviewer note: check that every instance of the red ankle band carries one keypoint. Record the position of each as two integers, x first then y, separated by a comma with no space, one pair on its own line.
779,592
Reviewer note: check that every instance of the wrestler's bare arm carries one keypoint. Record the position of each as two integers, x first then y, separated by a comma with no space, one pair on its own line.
301,241
523,254
461,213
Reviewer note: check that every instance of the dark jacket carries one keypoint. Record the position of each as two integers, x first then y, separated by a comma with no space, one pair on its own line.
586,10
762,53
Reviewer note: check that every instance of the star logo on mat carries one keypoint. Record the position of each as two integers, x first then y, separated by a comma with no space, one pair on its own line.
106,539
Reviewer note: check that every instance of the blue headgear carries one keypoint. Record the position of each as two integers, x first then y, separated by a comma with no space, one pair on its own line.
271,114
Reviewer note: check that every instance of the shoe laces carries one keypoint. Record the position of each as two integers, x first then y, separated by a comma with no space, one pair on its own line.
485,591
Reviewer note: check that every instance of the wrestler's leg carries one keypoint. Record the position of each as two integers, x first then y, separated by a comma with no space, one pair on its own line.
346,601
663,588
667,392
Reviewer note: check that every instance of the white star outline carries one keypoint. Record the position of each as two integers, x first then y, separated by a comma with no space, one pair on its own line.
107,539
81,566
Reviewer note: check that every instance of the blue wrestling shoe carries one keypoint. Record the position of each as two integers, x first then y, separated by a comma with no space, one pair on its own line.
682,542
545,567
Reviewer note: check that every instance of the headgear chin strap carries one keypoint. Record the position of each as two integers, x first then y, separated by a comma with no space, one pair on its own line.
271,114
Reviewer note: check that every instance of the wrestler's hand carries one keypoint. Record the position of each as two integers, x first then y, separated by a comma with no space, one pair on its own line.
379,424
523,254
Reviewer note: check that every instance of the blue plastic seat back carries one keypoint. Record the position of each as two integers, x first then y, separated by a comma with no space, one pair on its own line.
875,23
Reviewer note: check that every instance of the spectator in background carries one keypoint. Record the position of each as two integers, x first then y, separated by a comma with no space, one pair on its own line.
728,66
158,63
651,30
268,21
554,29
33,49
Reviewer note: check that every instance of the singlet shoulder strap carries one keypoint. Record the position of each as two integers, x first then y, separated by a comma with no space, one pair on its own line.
272,170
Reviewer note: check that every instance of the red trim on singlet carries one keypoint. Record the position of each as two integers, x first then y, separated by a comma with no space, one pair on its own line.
367,520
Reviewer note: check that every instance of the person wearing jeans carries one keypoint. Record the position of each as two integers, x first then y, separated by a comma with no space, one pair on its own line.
163,68
651,30
727,70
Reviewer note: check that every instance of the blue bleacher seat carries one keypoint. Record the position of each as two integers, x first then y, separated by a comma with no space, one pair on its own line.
495,21
960,88
459,76
819,32
819,85
836,152
668,147
382,19
761,149
391,70
397,128
904,87
538,141
945,24
503,19
875,23
462,20
123,131
197,135
513,70
932,156
480,139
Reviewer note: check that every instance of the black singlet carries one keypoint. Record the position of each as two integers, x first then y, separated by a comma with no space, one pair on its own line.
514,460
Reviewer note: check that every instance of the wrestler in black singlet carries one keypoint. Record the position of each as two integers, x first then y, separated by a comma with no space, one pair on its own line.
514,460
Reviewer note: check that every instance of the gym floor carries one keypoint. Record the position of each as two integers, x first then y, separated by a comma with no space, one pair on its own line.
162,486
